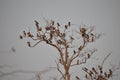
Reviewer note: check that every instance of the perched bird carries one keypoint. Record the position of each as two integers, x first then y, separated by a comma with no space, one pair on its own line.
93,69
69,23
105,74
21,37
74,51
52,22
24,33
85,69
66,26
36,23
29,45
58,24
77,78
78,62
82,30
88,55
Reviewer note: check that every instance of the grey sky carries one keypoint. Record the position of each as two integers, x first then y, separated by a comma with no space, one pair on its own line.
17,15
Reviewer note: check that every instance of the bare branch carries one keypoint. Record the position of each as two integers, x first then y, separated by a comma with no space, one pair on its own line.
35,44
60,70
105,59
74,56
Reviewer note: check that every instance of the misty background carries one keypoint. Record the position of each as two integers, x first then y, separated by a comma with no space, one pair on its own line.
18,15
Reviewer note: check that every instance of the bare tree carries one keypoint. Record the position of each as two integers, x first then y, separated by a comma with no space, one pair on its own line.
98,73
62,38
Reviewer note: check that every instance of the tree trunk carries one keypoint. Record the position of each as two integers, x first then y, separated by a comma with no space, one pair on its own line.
67,74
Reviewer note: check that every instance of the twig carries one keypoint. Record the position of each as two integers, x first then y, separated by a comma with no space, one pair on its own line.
105,59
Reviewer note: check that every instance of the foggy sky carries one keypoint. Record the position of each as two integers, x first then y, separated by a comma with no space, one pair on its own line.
18,15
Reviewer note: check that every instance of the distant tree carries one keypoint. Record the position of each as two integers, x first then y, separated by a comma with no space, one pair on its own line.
70,42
